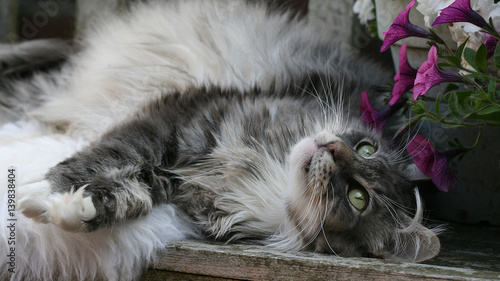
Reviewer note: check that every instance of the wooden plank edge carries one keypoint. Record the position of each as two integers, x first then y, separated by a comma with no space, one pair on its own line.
250,262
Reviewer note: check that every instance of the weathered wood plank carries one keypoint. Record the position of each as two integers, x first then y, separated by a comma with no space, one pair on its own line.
153,275
257,263
472,247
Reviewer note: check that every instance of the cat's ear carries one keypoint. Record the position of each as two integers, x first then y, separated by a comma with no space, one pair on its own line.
414,174
417,245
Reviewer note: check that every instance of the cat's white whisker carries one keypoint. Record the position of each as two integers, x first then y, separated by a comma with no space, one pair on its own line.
325,214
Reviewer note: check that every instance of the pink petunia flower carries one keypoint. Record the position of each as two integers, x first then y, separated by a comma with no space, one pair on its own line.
402,28
405,78
461,11
429,75
374,118
433,163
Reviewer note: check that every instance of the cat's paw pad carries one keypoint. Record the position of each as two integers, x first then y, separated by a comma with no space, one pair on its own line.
68,211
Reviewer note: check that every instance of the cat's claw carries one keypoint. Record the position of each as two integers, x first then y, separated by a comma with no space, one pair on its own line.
68,211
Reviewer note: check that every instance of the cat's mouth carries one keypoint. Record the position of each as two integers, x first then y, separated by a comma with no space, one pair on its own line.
313,162
320,164
307,168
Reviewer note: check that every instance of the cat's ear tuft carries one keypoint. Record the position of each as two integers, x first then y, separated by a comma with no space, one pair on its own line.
414,174
417,245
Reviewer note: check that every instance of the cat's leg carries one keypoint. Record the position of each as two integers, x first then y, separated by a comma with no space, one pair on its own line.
109,197
117,179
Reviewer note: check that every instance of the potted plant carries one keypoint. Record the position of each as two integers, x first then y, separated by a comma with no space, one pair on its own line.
447,60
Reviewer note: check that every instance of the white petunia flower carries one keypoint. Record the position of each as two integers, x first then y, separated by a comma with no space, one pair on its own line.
365,10
431,9
484,7
462,30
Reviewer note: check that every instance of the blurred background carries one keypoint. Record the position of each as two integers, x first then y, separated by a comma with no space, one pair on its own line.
22,20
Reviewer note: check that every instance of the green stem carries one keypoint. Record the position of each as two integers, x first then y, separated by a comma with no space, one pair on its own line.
440,40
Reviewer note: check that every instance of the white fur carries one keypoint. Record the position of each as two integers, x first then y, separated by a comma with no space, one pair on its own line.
169,46
67,211
43,249
256,202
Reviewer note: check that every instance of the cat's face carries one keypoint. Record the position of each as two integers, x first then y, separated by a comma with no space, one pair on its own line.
347,197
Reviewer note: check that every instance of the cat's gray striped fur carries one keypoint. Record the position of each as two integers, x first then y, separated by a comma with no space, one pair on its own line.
257,140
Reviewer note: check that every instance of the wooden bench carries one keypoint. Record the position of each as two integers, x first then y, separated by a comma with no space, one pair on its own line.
468,253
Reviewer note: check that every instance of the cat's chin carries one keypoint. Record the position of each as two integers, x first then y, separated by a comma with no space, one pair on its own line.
301,156
299,161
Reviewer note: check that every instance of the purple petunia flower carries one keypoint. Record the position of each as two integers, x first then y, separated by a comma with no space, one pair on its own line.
429,75
433,163
461,11
405,77
402,28
491,44
374,118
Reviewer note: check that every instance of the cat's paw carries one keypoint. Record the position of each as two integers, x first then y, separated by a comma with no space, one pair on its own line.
68,211
71,210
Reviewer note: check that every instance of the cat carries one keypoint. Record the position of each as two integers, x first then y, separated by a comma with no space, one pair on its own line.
218,120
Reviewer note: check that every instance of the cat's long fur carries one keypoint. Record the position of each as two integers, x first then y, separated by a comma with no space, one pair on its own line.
213,107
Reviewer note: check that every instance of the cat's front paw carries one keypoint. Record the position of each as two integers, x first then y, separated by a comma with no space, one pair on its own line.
68,211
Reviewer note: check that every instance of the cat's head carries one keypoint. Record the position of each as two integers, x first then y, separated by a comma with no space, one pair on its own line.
348,196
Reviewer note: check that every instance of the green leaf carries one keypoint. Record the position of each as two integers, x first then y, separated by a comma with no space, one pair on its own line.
479,104
492,86
466,102
481,97
452,61
451,87
497,56
418,107
461,103
430,119
470,57
437,105
457,144
453,104
476,75
451,122
481,58
460,49
489,114
488,110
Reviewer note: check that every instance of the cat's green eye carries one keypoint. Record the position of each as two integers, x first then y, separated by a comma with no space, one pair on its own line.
358,198
366,150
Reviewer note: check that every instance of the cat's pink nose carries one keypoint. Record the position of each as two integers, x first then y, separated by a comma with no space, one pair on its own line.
332,147
341,152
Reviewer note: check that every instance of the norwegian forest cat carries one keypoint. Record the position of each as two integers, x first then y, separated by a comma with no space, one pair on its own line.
218,120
